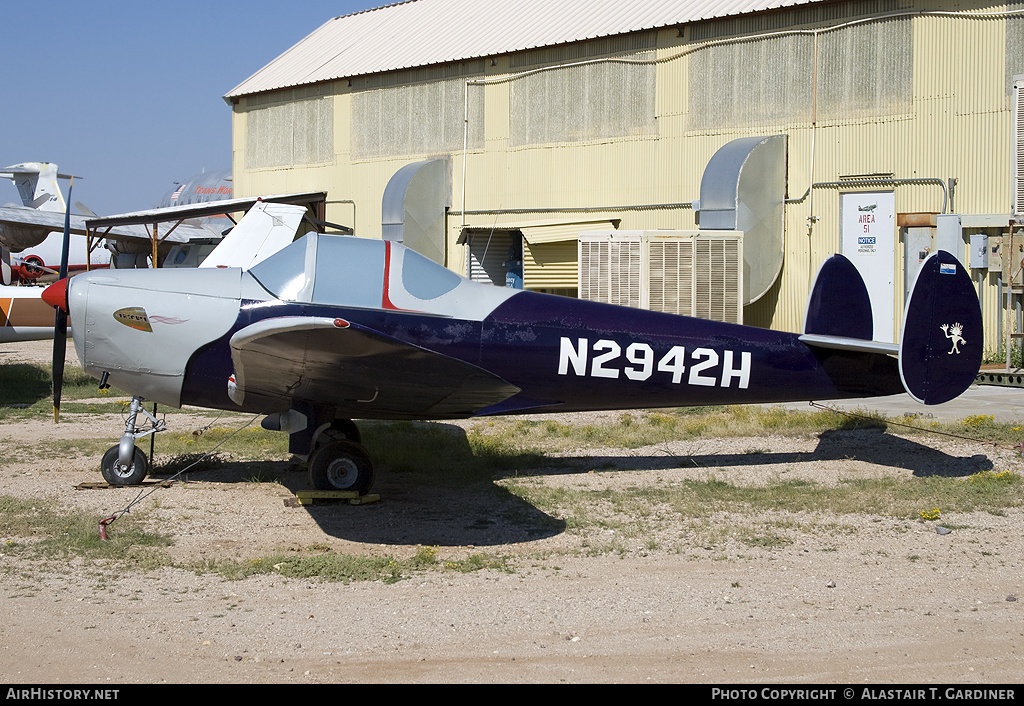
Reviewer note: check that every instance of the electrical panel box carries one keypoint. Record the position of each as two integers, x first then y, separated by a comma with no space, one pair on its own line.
995,253
979,251
949,234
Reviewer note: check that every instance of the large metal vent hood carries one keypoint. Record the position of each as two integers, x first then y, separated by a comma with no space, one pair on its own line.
744,189
414,205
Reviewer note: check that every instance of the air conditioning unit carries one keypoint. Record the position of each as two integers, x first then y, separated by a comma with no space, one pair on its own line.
694,273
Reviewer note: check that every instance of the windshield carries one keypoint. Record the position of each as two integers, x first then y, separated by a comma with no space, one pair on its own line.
349,271
283,274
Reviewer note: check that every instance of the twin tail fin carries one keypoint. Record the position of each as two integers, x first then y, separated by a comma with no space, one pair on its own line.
940,347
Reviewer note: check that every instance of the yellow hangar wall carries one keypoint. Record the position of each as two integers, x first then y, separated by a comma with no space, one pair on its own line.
616,133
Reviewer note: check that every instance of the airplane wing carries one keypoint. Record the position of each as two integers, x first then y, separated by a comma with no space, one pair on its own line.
20,215
364,372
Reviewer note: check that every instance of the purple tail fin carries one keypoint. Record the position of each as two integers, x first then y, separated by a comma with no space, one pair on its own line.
941,345
839,304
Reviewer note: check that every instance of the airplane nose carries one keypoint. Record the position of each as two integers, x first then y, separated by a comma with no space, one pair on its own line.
56,294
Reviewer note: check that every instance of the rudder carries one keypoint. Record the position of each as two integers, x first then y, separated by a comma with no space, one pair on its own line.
942,340
839,304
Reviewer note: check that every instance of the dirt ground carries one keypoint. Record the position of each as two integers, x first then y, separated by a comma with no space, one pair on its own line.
854,599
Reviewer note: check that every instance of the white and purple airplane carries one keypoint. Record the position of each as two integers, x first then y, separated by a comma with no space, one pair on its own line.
334,328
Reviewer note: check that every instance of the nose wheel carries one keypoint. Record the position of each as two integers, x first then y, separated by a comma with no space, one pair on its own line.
126,464
117,473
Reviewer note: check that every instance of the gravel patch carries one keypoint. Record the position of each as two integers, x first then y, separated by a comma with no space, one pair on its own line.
847,598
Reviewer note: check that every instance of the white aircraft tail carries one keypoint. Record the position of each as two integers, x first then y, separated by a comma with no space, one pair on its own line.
37,185
264,230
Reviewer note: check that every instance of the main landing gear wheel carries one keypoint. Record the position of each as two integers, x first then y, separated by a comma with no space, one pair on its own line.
341,465
116,474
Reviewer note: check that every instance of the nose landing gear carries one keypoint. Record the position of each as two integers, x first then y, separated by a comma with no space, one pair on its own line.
125,464
117,473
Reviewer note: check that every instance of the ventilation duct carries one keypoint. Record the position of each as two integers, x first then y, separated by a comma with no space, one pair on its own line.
414,205
744,188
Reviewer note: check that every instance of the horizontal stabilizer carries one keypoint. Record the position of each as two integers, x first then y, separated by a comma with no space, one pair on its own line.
941,345
839,305
845,343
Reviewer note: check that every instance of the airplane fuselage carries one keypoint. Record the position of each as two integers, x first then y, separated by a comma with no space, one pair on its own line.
573,355
24,316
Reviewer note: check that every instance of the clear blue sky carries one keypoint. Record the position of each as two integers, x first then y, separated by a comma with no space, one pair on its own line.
128,93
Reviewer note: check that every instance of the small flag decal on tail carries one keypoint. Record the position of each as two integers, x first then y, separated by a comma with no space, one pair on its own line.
947,268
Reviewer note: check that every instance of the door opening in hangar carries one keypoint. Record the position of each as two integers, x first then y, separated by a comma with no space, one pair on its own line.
495,257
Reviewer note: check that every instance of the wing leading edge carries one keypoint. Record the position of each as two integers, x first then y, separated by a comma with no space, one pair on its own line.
367,374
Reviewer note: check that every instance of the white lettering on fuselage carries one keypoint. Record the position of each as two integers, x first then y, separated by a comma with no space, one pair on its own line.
604,359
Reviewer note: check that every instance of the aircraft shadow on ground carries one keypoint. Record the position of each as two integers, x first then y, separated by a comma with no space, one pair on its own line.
414,508
450,498
24,384
872,446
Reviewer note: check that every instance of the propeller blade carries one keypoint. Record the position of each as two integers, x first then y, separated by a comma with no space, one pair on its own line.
66,245
19,261
60,345
60,322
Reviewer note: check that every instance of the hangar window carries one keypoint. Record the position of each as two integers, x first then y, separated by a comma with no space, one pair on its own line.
424,118
591,101
863,69
294,132
1014,46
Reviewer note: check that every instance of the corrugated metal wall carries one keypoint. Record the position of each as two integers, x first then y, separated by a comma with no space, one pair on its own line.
551,267
918,96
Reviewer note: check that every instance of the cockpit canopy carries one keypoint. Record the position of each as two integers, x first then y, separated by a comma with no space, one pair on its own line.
349,271
374,274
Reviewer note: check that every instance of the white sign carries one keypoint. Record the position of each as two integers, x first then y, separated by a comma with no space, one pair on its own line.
869,241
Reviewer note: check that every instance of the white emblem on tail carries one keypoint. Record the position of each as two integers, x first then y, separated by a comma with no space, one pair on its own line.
954,333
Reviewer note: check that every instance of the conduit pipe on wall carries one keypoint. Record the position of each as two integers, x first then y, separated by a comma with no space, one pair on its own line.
814,131
878,182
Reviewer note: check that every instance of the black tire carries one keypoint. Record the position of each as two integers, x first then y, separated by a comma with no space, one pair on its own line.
133,475
341,465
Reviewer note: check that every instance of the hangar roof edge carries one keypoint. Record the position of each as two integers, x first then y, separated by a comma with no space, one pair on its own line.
419,33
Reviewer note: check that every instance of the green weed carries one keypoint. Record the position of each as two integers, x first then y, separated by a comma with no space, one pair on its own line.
39,528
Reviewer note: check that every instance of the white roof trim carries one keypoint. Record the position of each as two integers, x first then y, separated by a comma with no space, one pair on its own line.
430,32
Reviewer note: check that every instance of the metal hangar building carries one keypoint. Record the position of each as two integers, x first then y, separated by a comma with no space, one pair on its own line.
696,156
